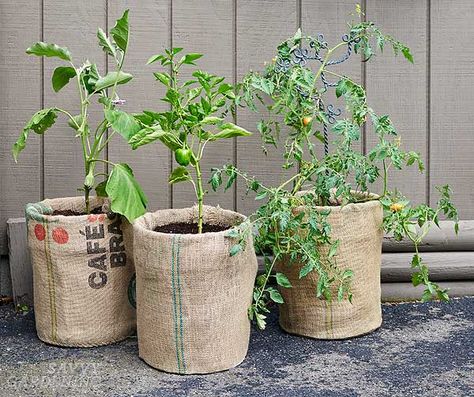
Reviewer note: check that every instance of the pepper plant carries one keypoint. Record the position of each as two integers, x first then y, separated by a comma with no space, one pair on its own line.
120,186
196,116
289,89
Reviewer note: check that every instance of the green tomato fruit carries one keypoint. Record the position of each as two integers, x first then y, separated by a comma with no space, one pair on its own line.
183,156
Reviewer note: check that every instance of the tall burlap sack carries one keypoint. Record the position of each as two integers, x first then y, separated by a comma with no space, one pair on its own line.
359,229
81,274
192,296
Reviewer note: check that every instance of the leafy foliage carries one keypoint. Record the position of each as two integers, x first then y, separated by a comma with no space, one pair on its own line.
197,115
121,187
292,223
413,222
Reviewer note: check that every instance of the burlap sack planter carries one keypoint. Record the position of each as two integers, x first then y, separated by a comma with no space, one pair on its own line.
359,229
192,296
81,274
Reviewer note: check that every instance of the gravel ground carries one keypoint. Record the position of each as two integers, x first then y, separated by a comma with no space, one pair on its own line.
421,350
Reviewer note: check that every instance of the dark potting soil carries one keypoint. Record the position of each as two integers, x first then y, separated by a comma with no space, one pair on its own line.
189,228
95,211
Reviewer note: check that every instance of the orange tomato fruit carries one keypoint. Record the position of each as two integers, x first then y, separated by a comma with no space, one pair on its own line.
307,120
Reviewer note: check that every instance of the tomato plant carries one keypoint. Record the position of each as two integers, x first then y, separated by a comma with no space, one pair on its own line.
289,92
126,196
197,116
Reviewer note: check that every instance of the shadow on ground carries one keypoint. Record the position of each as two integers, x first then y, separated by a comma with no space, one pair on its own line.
421,350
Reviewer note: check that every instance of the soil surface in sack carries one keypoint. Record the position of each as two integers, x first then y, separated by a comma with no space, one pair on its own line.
95,211
421,350
189,228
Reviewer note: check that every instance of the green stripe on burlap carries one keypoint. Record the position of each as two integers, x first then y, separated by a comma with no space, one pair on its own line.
51,285
175,304
180,305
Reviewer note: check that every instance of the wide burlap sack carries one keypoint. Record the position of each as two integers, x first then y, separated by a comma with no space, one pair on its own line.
81,274
359,229
192,296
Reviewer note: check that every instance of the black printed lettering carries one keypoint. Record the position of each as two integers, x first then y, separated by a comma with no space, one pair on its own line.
97,280
98,263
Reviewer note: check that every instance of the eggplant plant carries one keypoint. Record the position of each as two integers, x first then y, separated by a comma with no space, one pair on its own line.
197,115
290,90
126,196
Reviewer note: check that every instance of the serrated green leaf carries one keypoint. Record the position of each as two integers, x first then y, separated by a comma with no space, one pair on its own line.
261,195
61,77
275,296
110,78
333,248
106,43
426,295
126,195
385,201
120,31
341,88
215,181
260,320
306,269
179,174
282,280
122,122
416,279
407,54
235,249
49,50
39,123
340,293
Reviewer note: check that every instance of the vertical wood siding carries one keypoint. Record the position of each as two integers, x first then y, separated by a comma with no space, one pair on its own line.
430,102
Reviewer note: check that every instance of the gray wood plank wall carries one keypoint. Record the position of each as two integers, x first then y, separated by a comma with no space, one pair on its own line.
430,102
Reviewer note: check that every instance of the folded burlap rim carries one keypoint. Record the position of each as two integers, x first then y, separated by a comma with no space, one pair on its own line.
367,200
211,215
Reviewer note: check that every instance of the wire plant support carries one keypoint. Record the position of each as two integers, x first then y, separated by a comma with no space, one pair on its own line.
301,55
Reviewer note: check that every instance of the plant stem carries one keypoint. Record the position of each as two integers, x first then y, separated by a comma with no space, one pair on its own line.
384,178
200,195
264,284
87,191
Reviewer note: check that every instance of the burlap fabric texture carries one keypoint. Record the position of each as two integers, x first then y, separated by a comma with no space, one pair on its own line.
192,296
359,229
82,273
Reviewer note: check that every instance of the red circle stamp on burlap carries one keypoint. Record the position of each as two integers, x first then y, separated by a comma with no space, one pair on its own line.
40,232
60,235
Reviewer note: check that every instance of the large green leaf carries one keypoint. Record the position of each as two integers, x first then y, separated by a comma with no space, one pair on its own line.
110,78
179,174
230,130
89,76
154,133
126,196
61,76
106,43
120,31
39,123
122,122
49,50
